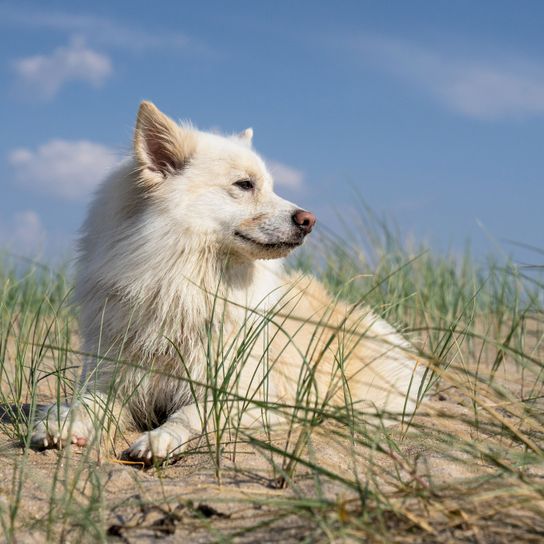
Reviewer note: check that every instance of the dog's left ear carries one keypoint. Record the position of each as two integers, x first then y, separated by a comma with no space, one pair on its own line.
246,136
161,146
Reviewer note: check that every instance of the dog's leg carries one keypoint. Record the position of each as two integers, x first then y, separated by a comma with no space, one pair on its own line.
170,439
78,424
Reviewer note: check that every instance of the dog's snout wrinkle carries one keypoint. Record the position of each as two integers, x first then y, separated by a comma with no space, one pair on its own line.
304,220
254,221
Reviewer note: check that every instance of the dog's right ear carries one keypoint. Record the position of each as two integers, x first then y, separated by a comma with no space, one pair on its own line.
161,146
246,136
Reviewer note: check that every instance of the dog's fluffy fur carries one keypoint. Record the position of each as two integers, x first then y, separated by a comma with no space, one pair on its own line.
180,264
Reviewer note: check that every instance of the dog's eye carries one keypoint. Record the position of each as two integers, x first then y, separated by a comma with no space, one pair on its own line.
245,184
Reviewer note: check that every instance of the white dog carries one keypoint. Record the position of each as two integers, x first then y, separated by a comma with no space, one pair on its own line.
182,293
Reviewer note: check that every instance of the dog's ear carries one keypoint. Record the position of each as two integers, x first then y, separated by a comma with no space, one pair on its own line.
161,146
246,136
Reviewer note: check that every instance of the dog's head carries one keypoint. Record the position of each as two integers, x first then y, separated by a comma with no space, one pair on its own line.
214,187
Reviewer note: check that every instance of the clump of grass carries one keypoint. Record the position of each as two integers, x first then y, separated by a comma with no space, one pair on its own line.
468,467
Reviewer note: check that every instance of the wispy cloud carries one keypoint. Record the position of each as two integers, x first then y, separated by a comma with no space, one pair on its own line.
285,175
44,75
67,169
474,85
23,234
96,29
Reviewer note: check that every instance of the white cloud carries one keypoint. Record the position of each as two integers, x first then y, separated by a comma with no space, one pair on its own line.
24,234
44,75
285,175
28,232
497,87
68,169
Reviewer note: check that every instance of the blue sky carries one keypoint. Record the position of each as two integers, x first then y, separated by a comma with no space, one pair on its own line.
432,111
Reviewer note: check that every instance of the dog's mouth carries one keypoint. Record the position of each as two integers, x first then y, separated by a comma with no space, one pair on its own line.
268,245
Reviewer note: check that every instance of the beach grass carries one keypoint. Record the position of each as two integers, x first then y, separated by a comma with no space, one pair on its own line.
468,467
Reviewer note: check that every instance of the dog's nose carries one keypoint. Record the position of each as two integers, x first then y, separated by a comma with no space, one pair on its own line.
304,220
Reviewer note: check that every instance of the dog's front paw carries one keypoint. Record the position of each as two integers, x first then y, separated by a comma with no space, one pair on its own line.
158,445
62,425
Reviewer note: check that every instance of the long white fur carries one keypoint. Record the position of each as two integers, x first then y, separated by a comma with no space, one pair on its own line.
161,270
